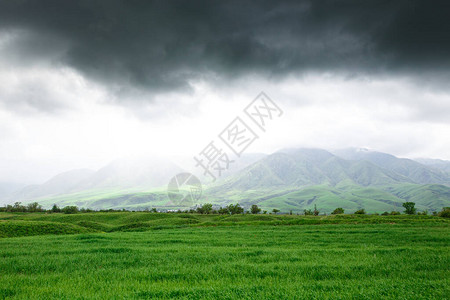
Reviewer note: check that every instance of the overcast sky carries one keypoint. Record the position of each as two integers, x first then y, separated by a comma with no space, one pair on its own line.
85,82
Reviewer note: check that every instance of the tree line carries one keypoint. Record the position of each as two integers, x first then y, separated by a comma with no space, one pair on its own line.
208,208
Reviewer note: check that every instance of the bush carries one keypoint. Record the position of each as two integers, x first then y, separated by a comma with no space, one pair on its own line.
338,211
444,213
360,212
385,213
394,213
409,208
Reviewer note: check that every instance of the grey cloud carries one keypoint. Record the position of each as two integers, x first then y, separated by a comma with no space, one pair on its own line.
32,97
161,46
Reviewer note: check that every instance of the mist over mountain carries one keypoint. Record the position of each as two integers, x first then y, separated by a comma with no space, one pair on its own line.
291,179
300,167
61,183
120,174
414,170
443,165
297,179
6,189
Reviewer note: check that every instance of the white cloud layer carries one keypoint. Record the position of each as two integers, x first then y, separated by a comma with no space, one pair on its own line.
52,119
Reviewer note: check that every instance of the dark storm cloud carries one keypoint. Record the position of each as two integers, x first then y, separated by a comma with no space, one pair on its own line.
161,45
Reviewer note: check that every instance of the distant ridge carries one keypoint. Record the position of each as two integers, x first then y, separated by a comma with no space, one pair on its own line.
289,179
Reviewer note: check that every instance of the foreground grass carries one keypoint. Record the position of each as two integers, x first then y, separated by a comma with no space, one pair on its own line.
404,260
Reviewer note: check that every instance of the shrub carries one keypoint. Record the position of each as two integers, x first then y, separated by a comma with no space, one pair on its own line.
385,213
409,208
361,211
444,213
394,213
338,211
275,211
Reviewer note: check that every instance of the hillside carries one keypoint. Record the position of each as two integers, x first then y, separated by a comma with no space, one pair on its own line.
290,179
443,165
298,179
414,170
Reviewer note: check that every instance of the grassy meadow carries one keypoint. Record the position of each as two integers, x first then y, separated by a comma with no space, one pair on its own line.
189,256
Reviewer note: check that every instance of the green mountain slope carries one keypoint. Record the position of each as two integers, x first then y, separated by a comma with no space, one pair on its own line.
291,179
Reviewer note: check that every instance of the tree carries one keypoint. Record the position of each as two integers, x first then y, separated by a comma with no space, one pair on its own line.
34,207
409,208
70,210
235,209
338,211
255,209
223,211
55,209
18,207
205,208
275,211
308,212
316,212
361,211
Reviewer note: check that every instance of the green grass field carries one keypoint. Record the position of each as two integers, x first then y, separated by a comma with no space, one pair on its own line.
143,255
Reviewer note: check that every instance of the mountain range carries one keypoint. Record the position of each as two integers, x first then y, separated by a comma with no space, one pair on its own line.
289,179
